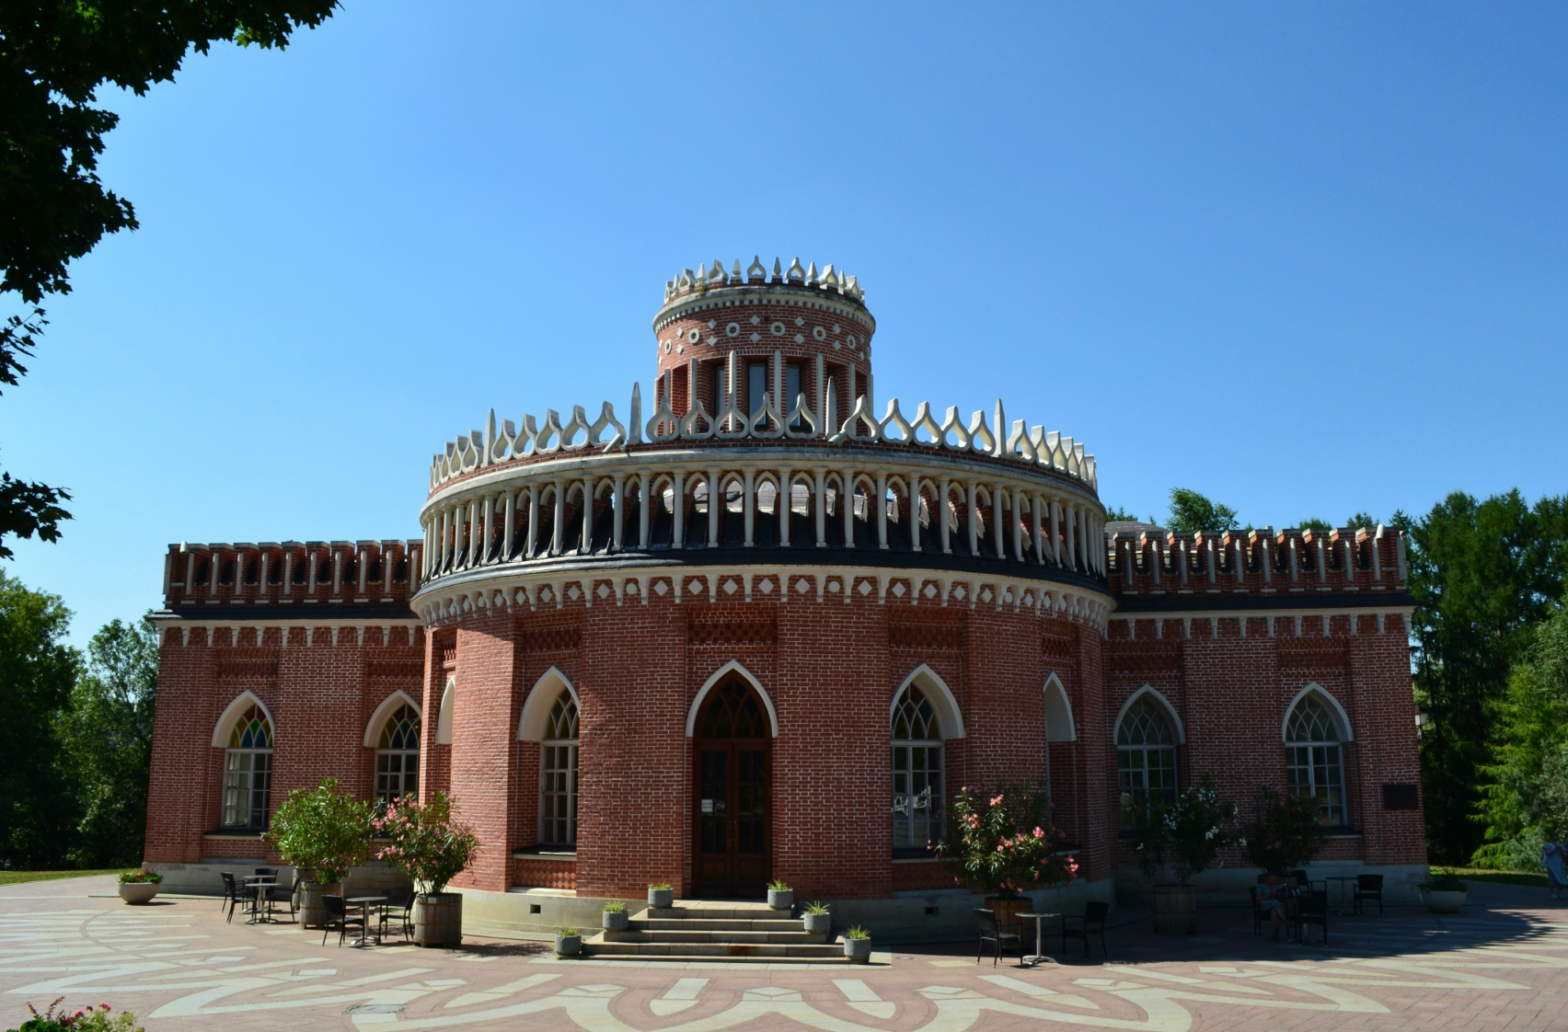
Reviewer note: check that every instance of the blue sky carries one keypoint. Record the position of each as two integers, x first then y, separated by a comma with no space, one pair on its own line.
1307,259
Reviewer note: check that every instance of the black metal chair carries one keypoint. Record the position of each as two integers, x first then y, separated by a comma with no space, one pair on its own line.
1091,922
399,908
1369,886
287,894
338,917
1298,877
267,872
992,932
236,894
1258,916
1311,909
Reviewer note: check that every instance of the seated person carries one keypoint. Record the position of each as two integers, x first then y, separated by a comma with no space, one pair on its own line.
1271,900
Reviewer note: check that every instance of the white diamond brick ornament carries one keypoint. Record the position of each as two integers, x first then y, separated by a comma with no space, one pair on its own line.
864,587
730,587
661,588
898,589
799,339
546,595
799,321
755,337
765,586
802,586
573,592
985,594
929,591
694,586
958,592
603,591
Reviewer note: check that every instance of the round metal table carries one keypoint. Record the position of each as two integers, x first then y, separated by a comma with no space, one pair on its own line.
1039,936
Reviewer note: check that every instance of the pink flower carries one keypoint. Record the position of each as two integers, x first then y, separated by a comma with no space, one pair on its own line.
1038,833
997,801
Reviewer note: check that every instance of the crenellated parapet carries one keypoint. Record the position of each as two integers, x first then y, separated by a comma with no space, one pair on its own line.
308,575
704,279
1257,562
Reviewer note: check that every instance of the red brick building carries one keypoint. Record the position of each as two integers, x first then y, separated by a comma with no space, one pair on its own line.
729,640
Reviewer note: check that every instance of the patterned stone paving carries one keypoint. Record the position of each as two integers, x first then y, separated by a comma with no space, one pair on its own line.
177,965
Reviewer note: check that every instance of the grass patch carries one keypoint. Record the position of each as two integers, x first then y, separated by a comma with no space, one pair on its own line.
1535,881
13,877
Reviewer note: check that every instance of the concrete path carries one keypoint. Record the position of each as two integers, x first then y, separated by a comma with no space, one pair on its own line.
178,966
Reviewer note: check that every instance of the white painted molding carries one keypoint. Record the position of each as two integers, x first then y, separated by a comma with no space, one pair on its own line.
384,712
1059,726
535,718
735,667
231,713
1162,702
444,716
1341,718
941,696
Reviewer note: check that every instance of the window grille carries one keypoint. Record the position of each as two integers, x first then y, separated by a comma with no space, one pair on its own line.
397,756
1312,759
918,801
558,774
247,772
1145,761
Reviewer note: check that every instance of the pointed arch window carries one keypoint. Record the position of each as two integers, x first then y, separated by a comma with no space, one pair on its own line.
247,772
1312,759
397,756
1145,761
558,774
917,771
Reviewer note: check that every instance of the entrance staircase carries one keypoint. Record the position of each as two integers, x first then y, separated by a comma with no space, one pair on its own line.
703,930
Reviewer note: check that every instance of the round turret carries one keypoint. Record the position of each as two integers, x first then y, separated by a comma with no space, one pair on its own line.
787,335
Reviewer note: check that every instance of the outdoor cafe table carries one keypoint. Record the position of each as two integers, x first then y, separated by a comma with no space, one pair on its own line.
261,894
365,903
1344,893
1039,937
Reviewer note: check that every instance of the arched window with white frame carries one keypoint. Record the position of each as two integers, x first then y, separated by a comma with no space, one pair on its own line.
558,774
1313,761
918,801
397,756
1145,760
247,771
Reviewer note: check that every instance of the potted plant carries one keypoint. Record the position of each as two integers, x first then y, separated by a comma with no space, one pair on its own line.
139,886
1284,833
614,916
322,833
780,896
817,919
84,1019
1444,893
1004,845
568,942
857,945
1188,836
430,845
660,895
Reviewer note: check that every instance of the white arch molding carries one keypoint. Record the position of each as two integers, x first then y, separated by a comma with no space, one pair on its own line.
1341,719
444,715
535,718
231,713
1059,725
1159,700
948,714
379,718
732,667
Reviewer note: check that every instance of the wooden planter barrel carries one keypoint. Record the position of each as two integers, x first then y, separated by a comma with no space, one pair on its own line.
438,920
1007,911
1175,909
313,912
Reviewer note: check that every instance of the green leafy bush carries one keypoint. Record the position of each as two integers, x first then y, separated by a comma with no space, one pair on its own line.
428,842
1188,835
139,877
85,1019
323,833
1283,833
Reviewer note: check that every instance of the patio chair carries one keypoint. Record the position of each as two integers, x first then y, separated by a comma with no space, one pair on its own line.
1312,908
338,917
992,932
287,894
236,894
400,908
1369,886
1091,922
1258,916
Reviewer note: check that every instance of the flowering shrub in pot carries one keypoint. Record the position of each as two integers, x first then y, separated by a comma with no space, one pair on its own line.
323,833
84,1019
1283,832
1004,844
1187,837
139,886
428,843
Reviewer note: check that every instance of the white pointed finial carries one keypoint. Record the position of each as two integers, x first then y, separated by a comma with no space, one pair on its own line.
735,273
811,275
778,275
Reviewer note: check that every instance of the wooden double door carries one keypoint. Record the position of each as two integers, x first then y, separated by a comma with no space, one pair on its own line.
731,779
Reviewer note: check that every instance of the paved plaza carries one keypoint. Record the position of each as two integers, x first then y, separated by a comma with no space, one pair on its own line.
179,966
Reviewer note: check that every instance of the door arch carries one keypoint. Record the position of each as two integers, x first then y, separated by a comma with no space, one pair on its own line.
731,790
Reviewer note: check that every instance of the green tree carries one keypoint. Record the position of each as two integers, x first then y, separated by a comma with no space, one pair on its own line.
1192,512
108,742
1114,514
1482,574
53,57
37,671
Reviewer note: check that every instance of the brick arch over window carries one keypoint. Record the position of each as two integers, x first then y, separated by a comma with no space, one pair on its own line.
444,714
1059,726
231,713
735,667
378,719
1159,700
950,718
533,724
1336,712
